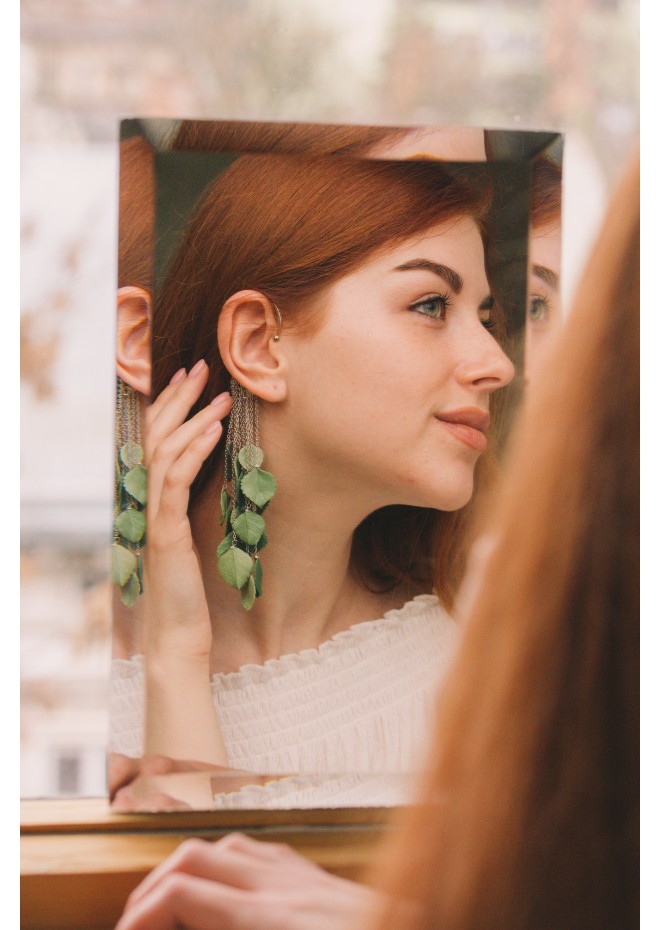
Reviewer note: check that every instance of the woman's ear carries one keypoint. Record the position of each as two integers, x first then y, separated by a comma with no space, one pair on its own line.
134,338
246,326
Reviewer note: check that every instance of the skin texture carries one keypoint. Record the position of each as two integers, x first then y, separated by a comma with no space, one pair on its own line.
239,883
544,315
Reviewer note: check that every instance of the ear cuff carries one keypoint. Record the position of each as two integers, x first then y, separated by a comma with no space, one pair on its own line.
276,337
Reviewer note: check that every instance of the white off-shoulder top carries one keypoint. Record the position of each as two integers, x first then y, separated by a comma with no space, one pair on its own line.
362,702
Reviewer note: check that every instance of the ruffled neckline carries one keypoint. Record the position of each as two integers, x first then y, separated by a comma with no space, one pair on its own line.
351,638
354,637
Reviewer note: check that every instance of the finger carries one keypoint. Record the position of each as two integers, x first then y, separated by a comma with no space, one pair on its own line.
154,408
185,900
121,771
225,861
171,491
178,378
166,450
123,800
169,449
169,415
259,849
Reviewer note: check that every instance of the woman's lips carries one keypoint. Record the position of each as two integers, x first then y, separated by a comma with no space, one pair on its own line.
468,425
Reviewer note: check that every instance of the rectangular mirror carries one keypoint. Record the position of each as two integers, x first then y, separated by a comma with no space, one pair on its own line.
323,333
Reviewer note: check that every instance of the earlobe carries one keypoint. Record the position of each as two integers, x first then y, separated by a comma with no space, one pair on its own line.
249,342
134,337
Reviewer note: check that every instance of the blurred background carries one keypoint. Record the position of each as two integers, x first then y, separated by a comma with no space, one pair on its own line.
566,65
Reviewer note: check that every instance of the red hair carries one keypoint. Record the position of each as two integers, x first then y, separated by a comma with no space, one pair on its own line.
311,139
137,208
545,206
529,815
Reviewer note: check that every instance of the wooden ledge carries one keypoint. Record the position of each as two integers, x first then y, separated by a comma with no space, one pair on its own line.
79,861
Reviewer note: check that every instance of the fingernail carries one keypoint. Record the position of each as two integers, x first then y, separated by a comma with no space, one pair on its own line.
220,399
195,370
178,376
213,428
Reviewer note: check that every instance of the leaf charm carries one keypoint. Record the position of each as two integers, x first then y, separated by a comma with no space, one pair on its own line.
250,456
258,486
235,567
131,524
135,482
249,527
122,564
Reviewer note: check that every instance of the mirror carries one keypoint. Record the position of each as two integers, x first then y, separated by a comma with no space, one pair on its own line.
361,293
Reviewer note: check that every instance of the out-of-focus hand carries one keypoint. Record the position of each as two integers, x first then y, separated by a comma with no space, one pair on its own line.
239,883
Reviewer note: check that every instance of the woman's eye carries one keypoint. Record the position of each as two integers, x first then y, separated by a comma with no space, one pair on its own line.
539,309
434,306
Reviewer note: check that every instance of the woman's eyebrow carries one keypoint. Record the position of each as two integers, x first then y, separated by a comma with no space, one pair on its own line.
453,278
550,277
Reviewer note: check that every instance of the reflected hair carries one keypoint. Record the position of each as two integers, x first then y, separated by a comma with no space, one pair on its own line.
310,139
290,227
528,817
137,192
545,205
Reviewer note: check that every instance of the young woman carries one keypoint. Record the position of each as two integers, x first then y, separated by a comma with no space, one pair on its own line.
529,812
350,298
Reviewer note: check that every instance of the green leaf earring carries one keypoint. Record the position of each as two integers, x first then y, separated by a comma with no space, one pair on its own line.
130,497
246,492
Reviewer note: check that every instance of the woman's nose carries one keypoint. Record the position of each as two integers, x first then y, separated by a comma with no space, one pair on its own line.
485,366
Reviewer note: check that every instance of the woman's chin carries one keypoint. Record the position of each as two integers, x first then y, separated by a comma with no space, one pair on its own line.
448,498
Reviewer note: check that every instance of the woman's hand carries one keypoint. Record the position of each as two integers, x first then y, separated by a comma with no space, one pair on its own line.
242,884
175,450
180,718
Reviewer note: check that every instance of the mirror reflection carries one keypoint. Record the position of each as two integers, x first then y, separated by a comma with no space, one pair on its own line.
544,301
321,337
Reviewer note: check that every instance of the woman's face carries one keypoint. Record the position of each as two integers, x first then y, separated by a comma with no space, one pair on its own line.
389,397
544,299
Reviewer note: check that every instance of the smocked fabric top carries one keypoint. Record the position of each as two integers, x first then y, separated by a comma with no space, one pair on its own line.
362,702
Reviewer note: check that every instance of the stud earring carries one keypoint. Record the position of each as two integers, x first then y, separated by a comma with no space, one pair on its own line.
246,492
130,496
